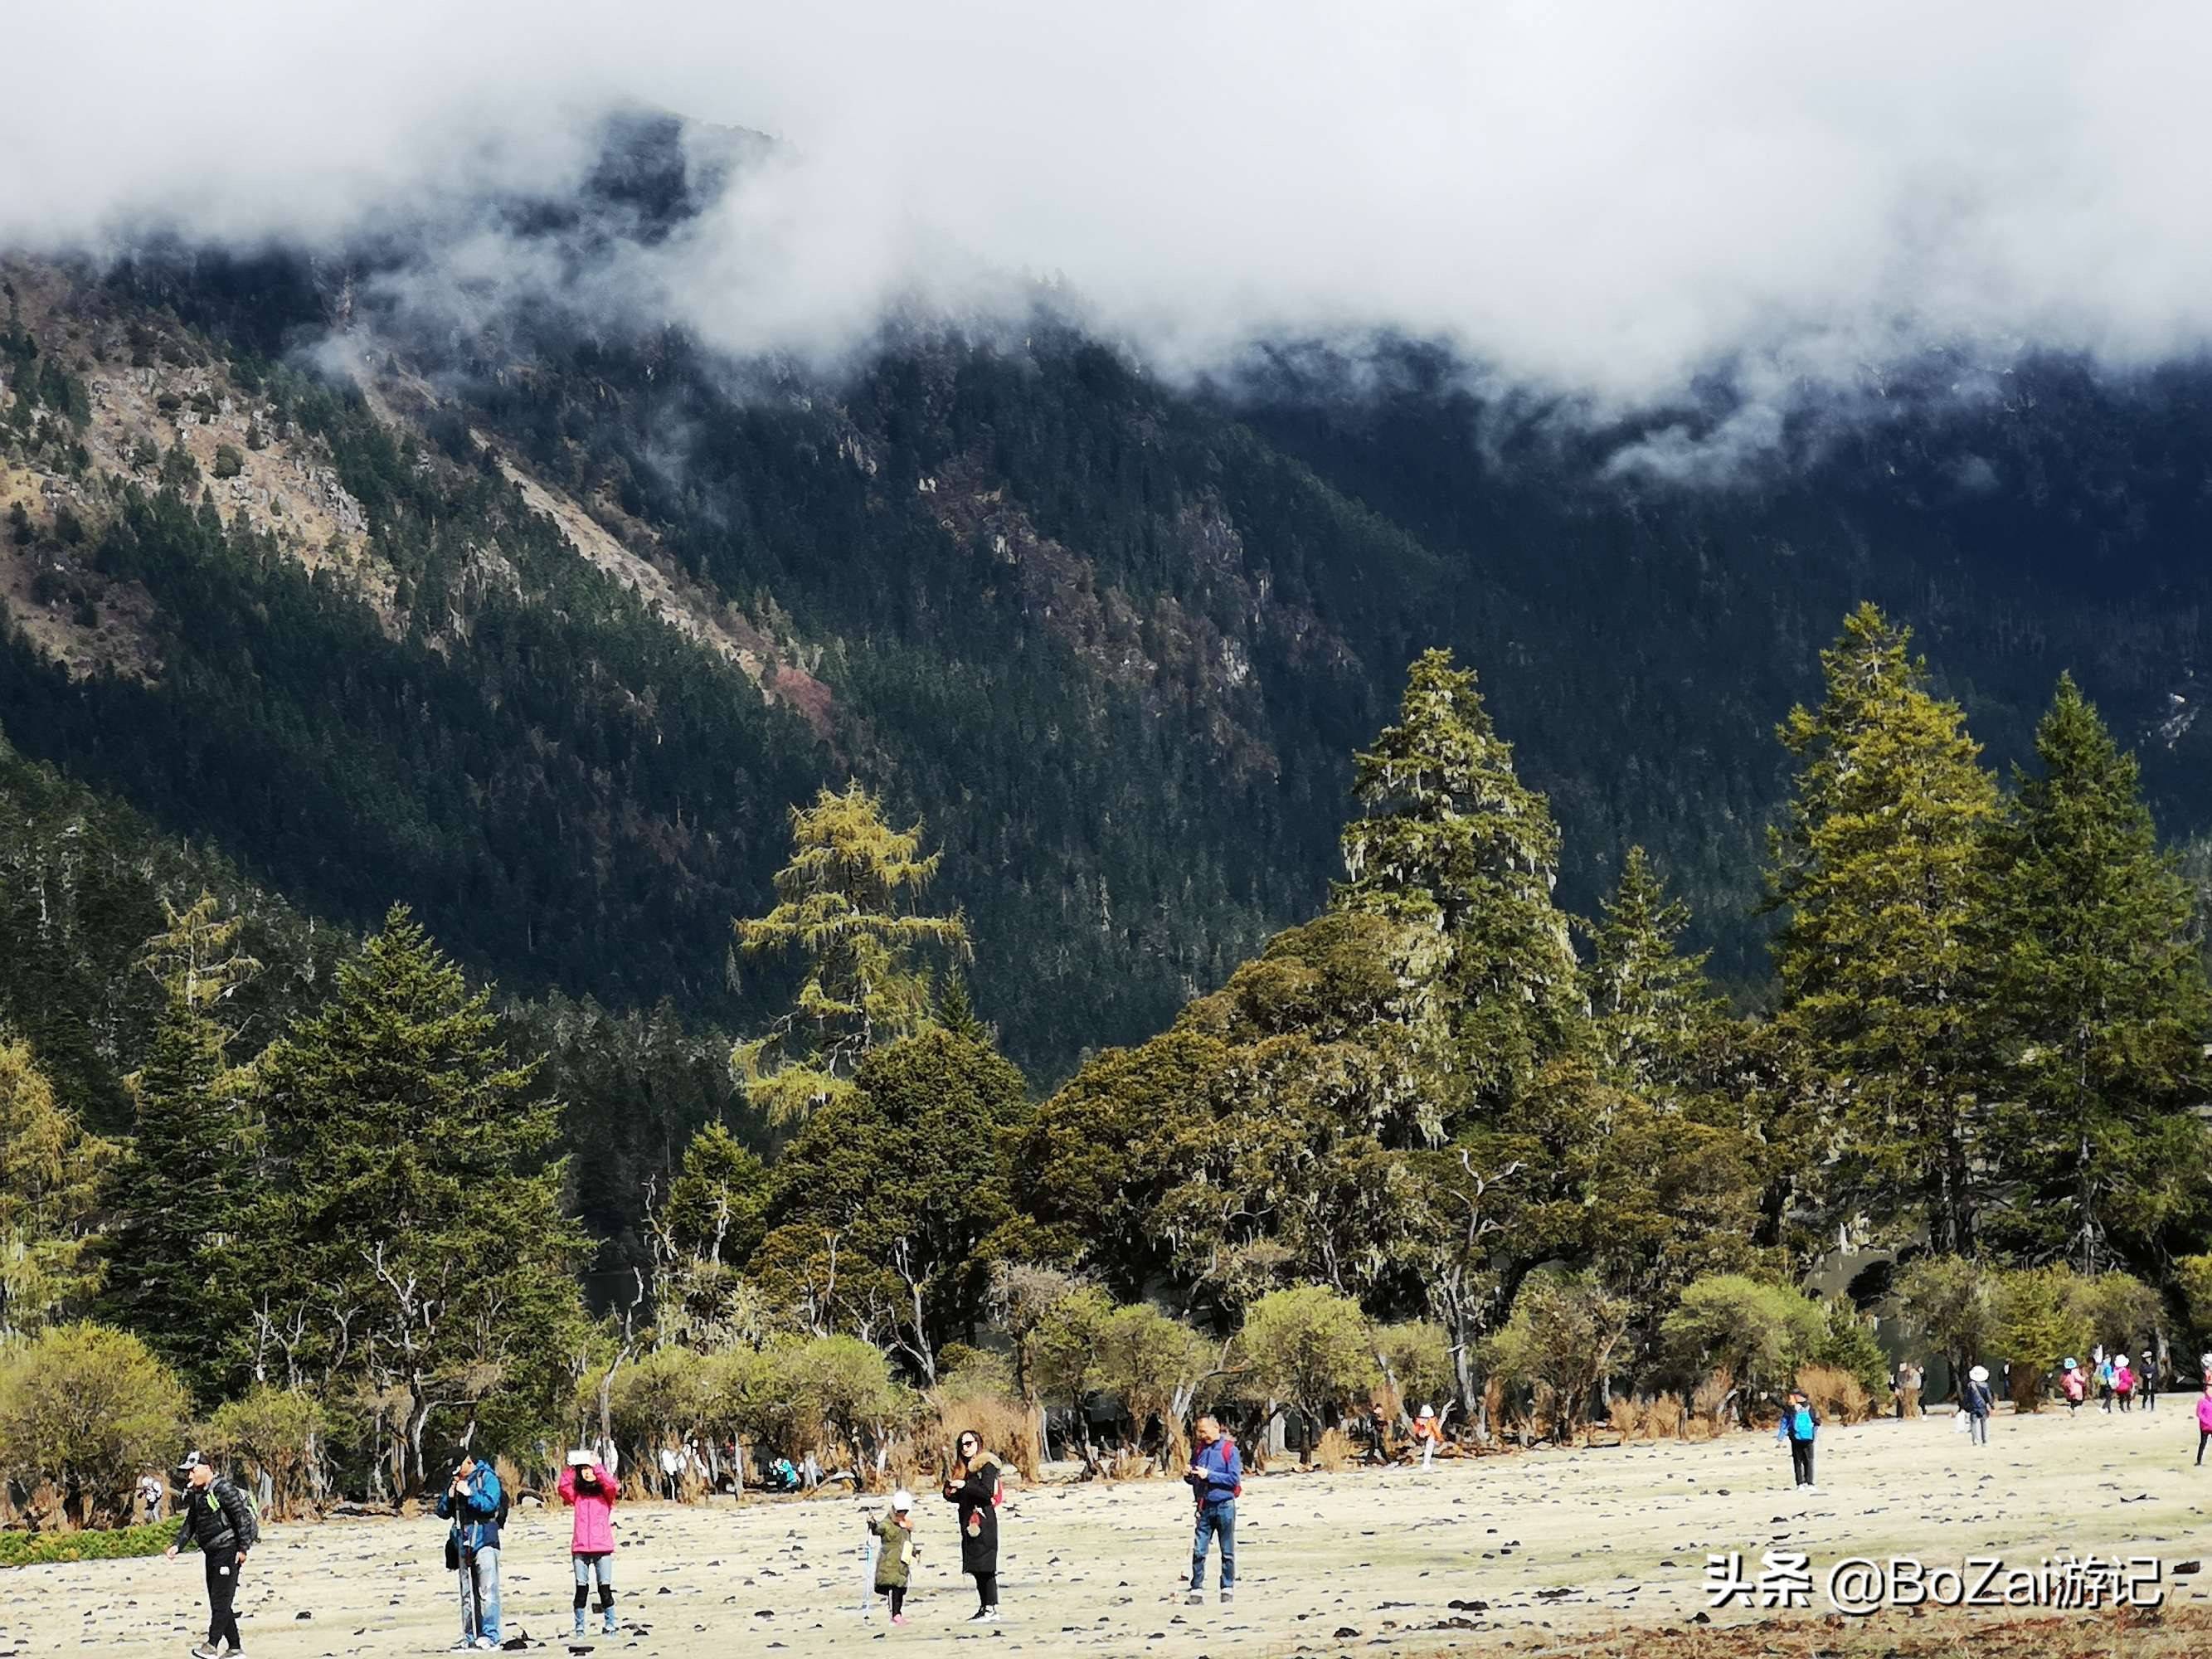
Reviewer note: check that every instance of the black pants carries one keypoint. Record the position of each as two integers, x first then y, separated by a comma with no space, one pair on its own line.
897,1592
2202,1435
1801,1461
986,1590
222,1571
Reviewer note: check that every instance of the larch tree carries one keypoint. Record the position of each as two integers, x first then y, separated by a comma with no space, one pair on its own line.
1880,870
50,1174
2102,1005
846,902
1650,1004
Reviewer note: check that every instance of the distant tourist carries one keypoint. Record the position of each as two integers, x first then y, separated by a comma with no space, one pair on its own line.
1800,1424
2124,1381
2104,1363
1910,1380
671,1474
2071,1385
2203,1420
214,1515
973,1485
473,1501
1378,1434
2146,1379
1428,1434
153,1492
590,1490
1974,1399
1217,1479
894,1532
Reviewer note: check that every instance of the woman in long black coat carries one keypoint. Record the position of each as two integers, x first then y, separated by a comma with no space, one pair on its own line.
972,1484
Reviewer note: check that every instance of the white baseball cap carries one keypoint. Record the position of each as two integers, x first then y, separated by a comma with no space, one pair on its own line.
902,1501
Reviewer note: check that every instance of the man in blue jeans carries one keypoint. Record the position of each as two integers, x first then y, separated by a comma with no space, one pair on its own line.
471,1502
1216,1476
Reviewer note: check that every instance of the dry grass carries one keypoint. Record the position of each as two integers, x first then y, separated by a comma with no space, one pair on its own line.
1836,1393
1332,1451
1007,1431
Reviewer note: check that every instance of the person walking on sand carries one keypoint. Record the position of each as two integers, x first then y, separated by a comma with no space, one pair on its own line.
1974,1399
475,1504
1909,1380
215,1516
2203,1420
2147,1378
894,1532
2103,1379
973,1485
1217,1481
2124,1381
590,1490
1428,1435
2070,1385
1800,1424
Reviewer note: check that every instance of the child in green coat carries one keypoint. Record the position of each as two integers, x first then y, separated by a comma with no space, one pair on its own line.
894,1532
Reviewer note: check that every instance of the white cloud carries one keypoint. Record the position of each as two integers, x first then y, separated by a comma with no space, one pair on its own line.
1598,200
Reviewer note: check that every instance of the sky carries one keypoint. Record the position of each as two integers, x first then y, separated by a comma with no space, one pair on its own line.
1599,201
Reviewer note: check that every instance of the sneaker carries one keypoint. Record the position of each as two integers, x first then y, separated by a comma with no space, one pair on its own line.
577,1629
207,1650
898,1619
1196,1598
485,1644
991,1615
981,1616
1228,1596
610,1628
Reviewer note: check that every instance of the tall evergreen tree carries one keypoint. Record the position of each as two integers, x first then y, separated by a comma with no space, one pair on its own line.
1651,1006
2102,1009
844,902
179,1203
1880,870
1448,837
414,1244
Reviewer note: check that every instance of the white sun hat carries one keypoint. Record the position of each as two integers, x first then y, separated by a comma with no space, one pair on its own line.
582,1458
902,1501
2119,1359
1979,1374
1427,1413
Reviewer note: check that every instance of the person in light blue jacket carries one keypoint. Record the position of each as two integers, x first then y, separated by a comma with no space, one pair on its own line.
473,1501
1800,1424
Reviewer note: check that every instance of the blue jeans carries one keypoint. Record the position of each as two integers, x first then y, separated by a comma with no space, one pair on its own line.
1215,1520
479,1577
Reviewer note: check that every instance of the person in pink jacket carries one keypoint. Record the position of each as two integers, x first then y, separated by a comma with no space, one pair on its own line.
2203,1420
587,1488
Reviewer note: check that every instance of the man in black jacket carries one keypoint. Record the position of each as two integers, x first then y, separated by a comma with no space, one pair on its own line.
218,1519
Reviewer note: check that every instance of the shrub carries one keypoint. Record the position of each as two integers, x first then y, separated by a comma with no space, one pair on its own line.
1952,1299
1848,1343
279,1433
843,1384
2121,1310
228,463
1145,1360
2041,1318
87,1410
1755,1332
1708,1402
1418,1356
36,1549
1559,1339
1838,1394
1310,1346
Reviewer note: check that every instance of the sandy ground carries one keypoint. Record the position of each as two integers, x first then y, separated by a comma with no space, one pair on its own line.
1558,1544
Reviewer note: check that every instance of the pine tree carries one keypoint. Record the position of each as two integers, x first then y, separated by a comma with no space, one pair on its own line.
1650,1005
842,901
2101,1007
1880,870
415,1242
1448,837
50,1174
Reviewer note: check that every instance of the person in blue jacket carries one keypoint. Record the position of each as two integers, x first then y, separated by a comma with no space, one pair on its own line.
1800,1424
472,1501
1216,1477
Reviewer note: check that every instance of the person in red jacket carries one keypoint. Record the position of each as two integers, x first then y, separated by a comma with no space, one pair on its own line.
587,1488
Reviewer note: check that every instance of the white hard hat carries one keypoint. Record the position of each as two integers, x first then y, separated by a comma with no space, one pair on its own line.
902,1501
1979,1374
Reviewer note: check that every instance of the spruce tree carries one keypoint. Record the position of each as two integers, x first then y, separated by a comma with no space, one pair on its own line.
1651,1006
2102,1007
1448,838
1880,870
415,1245
178,1204
845,902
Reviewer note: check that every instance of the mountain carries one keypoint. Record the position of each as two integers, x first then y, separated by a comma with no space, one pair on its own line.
536,611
